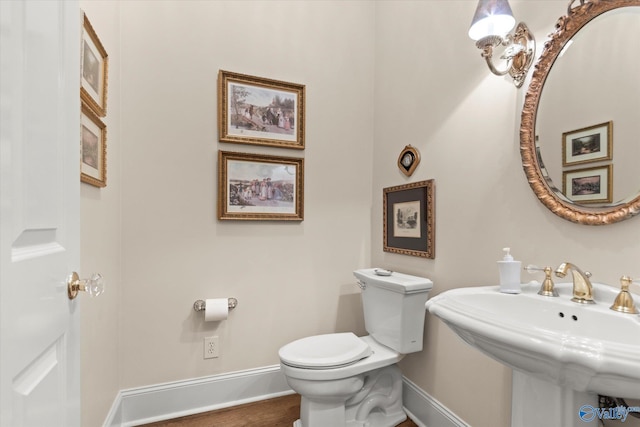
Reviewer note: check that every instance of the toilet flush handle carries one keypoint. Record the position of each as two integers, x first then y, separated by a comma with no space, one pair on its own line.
362,285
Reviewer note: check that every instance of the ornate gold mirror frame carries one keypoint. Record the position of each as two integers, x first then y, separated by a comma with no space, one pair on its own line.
579,13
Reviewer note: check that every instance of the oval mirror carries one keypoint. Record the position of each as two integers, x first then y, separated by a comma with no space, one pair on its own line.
580,128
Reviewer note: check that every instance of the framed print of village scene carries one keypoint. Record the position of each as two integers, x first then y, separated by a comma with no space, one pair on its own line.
589,185
94,65
260,111
93,148
260,187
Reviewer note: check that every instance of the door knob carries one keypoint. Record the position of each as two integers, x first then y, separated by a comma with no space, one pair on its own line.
94,286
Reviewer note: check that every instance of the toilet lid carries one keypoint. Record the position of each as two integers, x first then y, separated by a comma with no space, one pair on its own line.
325,351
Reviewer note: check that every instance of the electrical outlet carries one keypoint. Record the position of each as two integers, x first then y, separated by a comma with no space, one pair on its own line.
211,347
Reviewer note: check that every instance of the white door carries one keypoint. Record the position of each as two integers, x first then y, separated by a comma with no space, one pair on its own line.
39,212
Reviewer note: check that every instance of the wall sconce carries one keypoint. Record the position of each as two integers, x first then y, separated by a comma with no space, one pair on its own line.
490,28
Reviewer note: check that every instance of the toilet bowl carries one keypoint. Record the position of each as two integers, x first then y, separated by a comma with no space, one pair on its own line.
333,395
351,381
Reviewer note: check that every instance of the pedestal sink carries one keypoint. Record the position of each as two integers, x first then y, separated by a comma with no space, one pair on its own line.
563,354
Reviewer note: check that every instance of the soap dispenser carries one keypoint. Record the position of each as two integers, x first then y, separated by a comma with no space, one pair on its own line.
509,273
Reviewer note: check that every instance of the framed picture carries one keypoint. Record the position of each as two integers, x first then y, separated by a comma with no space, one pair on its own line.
590,185
408,160
591,144
94,63
259,111
260,187
409,219
93,148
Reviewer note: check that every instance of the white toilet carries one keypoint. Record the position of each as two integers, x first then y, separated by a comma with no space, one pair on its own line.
349,381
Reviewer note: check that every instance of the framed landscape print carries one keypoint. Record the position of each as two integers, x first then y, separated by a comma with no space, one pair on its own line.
590,185
591,144
260,187
93,148
260,111
409,219
94,66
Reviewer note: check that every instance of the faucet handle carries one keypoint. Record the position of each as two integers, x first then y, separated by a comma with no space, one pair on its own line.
547,289
532,269
624,301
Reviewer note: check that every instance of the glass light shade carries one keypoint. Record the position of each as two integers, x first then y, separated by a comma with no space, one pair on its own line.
492,17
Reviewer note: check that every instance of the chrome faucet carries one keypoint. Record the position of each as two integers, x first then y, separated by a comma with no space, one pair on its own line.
582,288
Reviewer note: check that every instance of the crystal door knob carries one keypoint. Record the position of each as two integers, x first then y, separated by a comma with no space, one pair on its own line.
94,285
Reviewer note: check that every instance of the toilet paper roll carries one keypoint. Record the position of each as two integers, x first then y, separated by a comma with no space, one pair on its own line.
216,309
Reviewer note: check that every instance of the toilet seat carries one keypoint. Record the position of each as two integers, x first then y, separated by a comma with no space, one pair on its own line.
325,351
381,356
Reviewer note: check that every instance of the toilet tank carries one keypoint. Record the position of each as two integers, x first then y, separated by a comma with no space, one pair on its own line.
394,308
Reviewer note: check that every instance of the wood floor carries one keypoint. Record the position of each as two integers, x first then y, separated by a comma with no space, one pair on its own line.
278,412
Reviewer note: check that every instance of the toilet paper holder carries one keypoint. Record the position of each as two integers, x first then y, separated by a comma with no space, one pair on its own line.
201,305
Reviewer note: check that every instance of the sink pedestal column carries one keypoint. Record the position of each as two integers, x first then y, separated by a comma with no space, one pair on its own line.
536,403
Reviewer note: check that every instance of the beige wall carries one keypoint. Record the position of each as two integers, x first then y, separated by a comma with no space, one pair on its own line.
379,75
101,241
291,279
434,92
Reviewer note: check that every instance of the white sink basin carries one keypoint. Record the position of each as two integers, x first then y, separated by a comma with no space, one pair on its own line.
586,348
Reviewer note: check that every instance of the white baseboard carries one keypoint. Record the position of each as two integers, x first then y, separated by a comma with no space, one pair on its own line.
426,411
181,398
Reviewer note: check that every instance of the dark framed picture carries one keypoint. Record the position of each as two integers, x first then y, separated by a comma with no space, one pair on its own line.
589,185
260,187
260,111
409,219
93,148
408,160
94,69
586,145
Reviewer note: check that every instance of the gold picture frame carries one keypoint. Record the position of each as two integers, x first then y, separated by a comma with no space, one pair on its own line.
94,63
260,187
588,145
260,111
589,185
408,160
409,219
93,148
